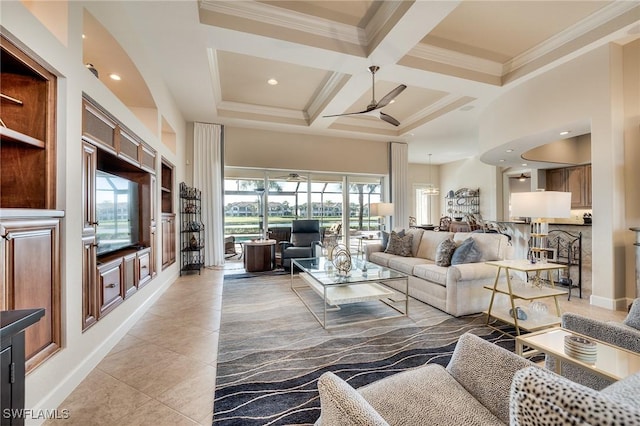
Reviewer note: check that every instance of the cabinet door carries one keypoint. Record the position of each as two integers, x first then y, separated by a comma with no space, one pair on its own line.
168,239
129,275
89,286
110,279
556,180
575,185
587,186
33,284
144,267
88,188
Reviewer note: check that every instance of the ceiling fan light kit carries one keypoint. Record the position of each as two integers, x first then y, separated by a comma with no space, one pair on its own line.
375,105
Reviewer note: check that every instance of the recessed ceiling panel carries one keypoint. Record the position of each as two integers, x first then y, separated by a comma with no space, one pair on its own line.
244,79
501,30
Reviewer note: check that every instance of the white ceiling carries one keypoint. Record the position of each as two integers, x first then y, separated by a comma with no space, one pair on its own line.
454,57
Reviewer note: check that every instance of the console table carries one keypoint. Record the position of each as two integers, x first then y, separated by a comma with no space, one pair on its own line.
12,327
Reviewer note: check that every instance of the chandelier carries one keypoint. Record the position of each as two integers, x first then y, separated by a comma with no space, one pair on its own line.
430,189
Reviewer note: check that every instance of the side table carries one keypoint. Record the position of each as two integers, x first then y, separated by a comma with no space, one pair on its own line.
533,322
259,255
611,361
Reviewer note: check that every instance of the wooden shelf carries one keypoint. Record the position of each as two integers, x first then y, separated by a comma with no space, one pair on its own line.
9,135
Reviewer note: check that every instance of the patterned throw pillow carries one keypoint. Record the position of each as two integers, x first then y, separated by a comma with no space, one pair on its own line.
444,252
399,244
467,252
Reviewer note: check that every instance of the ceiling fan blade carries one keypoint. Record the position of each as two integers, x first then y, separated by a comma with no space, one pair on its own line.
389,119
390,96
347,113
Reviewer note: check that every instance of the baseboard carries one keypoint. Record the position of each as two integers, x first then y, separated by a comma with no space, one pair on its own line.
619,304
63,389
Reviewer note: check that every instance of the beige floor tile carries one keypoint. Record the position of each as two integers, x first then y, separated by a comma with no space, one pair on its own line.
192,397
155,413
100,400
203,348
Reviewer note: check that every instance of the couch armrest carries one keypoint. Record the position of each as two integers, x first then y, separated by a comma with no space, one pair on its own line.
372,248
343,405
610,332
486,370
472,271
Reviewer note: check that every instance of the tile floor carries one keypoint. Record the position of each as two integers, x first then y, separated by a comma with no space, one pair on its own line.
163,371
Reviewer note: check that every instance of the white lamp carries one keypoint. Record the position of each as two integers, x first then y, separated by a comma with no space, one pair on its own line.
540,206
382,210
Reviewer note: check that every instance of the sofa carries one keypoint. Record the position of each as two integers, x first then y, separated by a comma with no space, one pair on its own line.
483,385
456,289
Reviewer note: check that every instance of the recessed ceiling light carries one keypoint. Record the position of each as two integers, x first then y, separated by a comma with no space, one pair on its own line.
84,36
115,77
509,150
524,164
501,160
272,81
393,101
566,132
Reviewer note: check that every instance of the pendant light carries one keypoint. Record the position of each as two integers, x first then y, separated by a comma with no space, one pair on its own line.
431,189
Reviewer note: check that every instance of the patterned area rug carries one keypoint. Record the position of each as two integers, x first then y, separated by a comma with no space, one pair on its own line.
272,350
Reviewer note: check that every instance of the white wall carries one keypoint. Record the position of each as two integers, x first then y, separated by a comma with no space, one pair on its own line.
52,381
589,87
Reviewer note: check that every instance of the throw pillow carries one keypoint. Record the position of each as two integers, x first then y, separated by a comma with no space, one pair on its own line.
444,252
399,244
467,252
633,317
385,238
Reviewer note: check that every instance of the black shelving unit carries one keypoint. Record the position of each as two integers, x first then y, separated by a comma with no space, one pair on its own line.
567,250
191,230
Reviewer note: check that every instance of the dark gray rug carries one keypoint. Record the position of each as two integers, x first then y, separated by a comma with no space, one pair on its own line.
272,350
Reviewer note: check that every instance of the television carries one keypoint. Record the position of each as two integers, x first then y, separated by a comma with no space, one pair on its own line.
117,205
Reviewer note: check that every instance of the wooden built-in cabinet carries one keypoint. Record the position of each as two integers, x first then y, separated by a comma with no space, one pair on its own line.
29,221
168,227
112,277
576,179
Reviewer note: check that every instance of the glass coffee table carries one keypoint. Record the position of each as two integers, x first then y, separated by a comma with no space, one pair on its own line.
609,361
366,282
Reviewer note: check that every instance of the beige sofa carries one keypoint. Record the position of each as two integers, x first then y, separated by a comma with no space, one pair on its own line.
457,289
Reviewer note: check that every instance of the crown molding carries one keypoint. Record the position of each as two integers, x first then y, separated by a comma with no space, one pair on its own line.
272,15
240,107
456,59
326,93
595,20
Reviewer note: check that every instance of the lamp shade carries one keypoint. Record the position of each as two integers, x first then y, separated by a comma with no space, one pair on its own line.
381,209
541,204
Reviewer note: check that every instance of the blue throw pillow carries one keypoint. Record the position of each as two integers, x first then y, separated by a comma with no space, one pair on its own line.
467,252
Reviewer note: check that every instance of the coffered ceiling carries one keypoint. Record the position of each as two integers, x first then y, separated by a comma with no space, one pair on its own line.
454,56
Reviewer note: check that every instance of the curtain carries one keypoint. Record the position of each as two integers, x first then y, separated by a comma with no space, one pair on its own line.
398,172
208,177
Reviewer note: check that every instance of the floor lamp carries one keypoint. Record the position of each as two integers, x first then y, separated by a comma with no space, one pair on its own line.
540,206
382,210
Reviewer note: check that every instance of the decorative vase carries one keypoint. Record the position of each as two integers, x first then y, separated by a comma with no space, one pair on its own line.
193,242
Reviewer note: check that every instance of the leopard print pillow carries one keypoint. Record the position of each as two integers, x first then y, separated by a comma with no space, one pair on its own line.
540,398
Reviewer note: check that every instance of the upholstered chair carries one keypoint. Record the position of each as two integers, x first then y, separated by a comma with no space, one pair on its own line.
625,335
305,240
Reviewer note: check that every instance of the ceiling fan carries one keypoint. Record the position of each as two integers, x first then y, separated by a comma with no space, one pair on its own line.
521,178
293,177
375,105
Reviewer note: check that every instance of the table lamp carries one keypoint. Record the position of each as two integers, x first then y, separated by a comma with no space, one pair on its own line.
540,206
382,210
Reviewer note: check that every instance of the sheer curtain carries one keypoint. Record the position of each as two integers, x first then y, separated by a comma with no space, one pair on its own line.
398,171
208,177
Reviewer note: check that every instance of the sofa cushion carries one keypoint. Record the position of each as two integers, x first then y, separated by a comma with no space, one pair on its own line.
541,397
444,252
405,264
417,238
431,272
492,246
625,391
400,245
467,252
426,395
429,243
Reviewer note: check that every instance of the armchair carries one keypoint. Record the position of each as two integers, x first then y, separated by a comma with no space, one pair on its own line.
482,385
305,238
625,335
